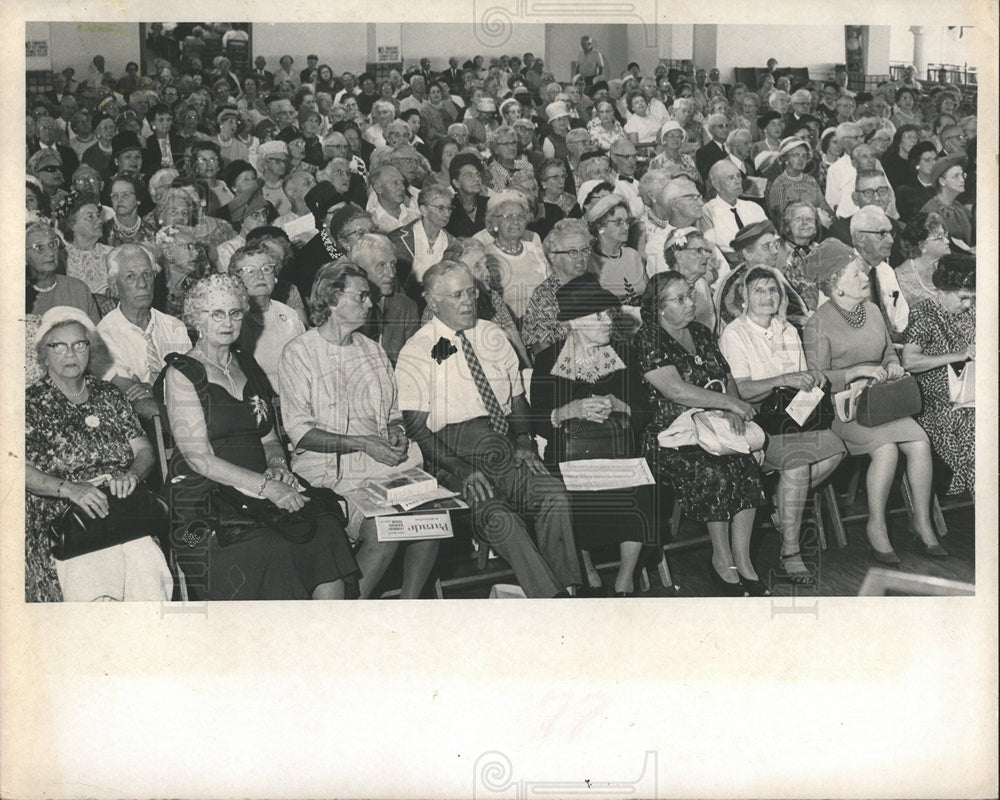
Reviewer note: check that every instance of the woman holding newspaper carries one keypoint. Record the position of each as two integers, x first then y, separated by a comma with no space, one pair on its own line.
340,408
847,339
766,359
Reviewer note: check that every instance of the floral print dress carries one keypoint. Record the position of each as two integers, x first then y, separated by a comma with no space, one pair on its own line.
711,488
952,431
74,443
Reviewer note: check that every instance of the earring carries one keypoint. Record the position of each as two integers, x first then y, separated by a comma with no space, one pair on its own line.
839,293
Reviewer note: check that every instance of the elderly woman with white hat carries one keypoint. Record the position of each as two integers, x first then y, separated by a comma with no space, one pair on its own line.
669,153
84,449
794,184
520,258
558,115
618,267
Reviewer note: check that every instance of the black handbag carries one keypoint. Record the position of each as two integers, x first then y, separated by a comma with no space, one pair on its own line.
885,402
142,513
583,439
238,515
775,421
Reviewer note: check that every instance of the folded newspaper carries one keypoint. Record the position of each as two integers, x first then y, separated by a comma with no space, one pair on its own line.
370,504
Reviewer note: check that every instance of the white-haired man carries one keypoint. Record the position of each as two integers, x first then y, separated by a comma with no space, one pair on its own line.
463,402
138,336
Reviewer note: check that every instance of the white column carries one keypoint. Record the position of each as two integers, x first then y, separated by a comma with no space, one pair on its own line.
919,59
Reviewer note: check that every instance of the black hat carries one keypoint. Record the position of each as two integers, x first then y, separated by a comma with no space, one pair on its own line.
751,233
123,142
233,170
320,199
583,296
289,134
767,118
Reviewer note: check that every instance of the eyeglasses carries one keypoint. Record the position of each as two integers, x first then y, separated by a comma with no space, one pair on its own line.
349,234
438,207
512,217
121,195
52,244
884,234
362,296
263,269
956,175
626,156
960,136
583,252
50,168
506,142
868,194
220,315
681,299
555,177
85,179
618,221
62,348
704,252
207,160
471,294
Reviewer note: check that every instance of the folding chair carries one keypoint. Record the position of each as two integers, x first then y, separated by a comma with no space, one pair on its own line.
163,454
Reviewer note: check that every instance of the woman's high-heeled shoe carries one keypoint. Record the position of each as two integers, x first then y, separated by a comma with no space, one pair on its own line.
755,586
888,558
932,550
728,589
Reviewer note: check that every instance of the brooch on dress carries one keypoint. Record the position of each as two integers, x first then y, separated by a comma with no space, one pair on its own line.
698,360
92,421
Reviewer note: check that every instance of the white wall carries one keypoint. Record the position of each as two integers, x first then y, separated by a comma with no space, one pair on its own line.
816,47
343,46
464,39
941,46
75,44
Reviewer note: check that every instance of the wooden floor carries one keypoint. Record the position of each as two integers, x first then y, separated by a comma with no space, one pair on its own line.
840,572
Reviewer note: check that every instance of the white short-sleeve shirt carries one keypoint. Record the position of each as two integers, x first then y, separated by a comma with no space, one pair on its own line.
446,390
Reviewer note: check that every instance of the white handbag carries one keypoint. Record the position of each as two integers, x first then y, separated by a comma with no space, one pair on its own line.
962,386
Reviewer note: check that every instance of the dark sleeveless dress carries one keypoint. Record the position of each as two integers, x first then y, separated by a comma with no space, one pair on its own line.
263,565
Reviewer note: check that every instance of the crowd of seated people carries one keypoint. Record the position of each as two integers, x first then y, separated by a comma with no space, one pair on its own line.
379,263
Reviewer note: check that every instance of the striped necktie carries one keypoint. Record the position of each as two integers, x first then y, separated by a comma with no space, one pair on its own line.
153,361
497,419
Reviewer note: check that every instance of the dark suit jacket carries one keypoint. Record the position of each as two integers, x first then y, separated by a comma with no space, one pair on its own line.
392,324
152,154
705,156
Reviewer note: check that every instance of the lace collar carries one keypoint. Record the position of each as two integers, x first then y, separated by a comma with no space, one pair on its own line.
573,365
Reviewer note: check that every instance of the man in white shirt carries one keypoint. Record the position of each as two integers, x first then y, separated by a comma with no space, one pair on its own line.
388,200
871,233
463,402
624,160
138,336
724,215
840,176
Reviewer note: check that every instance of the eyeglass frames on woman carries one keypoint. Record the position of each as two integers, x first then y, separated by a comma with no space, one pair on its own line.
220,315
40,247
263,269
62,348
583,252
362,295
